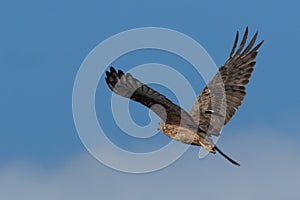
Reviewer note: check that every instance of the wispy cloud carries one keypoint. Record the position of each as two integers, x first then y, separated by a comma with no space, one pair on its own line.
270,170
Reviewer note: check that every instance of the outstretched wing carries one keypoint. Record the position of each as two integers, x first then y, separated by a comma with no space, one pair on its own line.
127,86
222,97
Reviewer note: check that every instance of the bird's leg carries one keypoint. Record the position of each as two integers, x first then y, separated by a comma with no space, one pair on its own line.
227,157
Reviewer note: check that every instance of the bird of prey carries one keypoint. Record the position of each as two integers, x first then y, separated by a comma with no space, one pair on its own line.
213,108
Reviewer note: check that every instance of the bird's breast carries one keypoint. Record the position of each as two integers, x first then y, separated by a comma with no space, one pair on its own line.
179,133
187,135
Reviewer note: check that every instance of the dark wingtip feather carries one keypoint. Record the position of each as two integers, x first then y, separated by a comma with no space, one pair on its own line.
112,77
246,31
243,42
109,83
257,46
251,43
120,73
234,44
112,69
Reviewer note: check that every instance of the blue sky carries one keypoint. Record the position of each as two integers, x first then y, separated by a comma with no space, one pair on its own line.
44,43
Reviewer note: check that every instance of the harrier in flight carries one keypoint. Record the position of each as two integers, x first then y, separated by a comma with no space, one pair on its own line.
213,108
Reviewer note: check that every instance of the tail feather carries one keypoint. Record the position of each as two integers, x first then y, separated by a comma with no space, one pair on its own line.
227,157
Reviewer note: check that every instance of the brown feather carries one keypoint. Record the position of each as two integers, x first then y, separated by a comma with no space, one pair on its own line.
226,97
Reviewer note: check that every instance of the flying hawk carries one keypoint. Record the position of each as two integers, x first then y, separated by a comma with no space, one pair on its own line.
213,108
